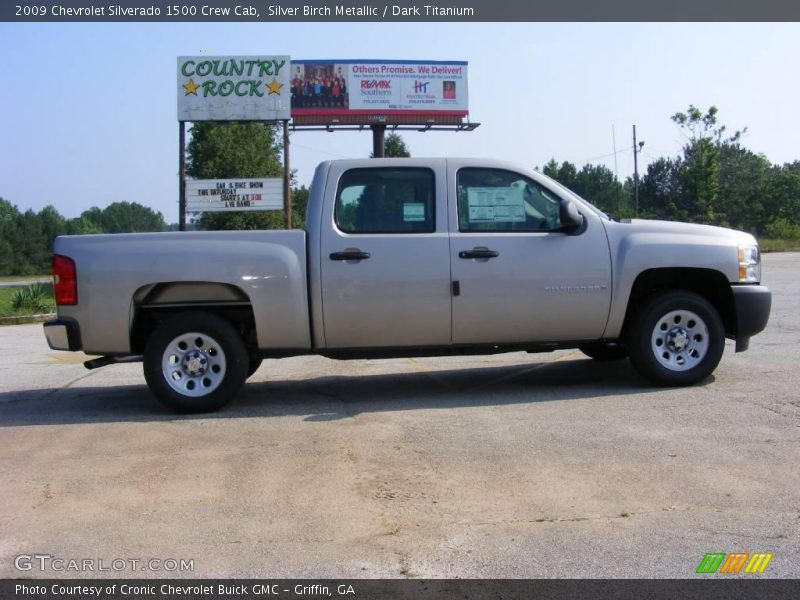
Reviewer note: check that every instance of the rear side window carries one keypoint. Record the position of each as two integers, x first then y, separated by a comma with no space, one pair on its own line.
495,200
386,200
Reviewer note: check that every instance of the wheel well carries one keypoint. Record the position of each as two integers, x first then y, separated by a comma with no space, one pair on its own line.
153,304
708,283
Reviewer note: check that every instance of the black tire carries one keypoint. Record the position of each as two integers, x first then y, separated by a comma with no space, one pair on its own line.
253,364
215,359
604,351
677,339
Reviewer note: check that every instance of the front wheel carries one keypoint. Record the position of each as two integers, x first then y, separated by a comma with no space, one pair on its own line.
677,339
195,362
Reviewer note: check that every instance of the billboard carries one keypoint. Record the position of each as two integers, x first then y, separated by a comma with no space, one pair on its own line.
366,91
233,88
218,195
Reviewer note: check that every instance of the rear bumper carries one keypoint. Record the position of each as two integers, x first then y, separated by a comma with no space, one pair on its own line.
752,304
63,334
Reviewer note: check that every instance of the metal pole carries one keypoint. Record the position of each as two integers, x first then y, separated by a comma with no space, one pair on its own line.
616,173
635,173
287,198
377,140
182,176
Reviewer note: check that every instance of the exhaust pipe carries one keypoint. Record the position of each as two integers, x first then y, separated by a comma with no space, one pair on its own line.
103,361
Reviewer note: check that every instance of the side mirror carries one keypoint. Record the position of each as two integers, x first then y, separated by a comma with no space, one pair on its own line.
572,221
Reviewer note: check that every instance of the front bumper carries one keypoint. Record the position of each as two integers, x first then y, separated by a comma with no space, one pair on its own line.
62,334
752,304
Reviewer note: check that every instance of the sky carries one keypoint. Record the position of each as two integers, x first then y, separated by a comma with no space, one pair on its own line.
88,111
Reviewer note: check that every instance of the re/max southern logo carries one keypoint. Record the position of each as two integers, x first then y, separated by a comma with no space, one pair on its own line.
376,84
731,564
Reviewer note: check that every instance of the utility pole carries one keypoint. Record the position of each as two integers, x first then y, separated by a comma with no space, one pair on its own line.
636,150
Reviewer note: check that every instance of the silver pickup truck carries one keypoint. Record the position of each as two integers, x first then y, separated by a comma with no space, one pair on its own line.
410,257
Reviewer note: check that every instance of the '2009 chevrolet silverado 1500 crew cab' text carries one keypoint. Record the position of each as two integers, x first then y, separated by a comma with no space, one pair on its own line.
410,257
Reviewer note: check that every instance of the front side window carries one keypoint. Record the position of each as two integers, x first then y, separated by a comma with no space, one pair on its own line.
495,200
386,200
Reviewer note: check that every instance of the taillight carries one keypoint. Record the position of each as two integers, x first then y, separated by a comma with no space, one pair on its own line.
65,286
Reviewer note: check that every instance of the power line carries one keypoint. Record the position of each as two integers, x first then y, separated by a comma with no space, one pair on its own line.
318,150
588,160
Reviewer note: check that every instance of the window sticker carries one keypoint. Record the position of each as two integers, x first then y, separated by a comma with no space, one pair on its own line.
496,205
413,211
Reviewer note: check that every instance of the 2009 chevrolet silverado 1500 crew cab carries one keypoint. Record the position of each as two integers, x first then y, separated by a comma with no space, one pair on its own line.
410,257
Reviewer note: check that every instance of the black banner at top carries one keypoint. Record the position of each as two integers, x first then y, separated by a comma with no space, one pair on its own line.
397,10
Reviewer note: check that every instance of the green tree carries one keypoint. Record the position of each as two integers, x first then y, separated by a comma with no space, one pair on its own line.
9,237
33,246
230,150
122,217
299,204
661,192
743,183
599,185
700,168
782,194
82,226
393,147
596,183
566,173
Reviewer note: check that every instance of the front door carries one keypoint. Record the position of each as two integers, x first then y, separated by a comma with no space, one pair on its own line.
520,278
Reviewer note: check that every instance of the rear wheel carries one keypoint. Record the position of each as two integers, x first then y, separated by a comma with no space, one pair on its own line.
677,340
195,362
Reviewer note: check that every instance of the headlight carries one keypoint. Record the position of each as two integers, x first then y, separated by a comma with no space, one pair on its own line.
749,264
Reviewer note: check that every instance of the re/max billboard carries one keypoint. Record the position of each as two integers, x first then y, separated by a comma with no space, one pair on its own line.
366,88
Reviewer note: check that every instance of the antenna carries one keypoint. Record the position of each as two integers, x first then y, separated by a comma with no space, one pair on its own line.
614,144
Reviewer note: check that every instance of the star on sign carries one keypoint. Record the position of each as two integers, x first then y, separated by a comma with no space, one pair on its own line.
191,87
274,87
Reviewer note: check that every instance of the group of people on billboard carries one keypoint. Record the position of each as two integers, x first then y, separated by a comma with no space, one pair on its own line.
319,86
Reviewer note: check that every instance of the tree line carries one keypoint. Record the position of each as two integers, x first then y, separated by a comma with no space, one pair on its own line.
714,180
26,238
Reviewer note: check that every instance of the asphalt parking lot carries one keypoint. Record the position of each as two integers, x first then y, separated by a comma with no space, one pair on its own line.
515,465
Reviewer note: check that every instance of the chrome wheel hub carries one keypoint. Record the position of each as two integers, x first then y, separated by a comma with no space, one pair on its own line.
680,340
677,339
193,364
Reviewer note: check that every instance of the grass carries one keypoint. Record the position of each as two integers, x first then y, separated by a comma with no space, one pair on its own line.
778,245
7,309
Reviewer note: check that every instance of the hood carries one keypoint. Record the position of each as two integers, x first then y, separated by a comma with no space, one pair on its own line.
682,229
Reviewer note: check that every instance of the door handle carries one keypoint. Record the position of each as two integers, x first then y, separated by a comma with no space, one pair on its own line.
349,255
478,253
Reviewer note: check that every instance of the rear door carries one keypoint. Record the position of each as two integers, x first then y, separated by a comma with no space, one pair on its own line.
385,260
520,277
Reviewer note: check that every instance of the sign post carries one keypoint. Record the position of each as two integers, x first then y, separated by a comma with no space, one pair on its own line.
182,176
233,88
287,192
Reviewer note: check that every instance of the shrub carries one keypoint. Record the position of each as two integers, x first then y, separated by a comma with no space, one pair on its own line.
782,228
35,298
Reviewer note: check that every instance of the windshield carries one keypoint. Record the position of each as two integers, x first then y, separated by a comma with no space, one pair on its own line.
569,192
